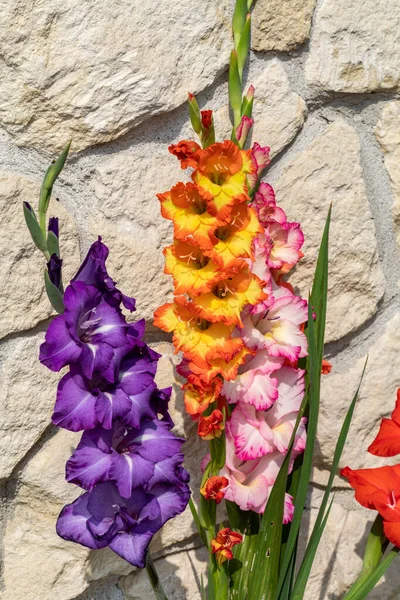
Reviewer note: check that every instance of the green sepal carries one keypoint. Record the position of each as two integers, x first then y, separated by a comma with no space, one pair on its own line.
194,113
247,107
244,45
50,177
53,244
239,20
235,89
53,294
34,229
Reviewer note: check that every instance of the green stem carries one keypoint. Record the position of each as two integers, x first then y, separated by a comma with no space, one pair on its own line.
154,579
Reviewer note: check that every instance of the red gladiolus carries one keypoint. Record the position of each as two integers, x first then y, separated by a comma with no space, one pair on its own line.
222,544
387,442
213,489
379,489
206,119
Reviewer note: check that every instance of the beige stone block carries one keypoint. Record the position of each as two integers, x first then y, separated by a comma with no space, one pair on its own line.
388,135
23,300
27,396
126,213
329,171
278,112
180,575
281,25
376,400
355,47
92,70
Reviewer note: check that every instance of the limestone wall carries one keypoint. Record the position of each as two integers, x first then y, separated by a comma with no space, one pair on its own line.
113,75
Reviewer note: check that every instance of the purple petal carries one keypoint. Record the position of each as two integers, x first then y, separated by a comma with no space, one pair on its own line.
93,272
95,358
72,524
170,471
140,407
130,471
105,502
172,500
59,348
154,441
88,466
132,547
75,404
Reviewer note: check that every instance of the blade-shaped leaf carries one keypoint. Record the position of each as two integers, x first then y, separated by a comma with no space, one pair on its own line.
368,585
312,545
314,360
302,577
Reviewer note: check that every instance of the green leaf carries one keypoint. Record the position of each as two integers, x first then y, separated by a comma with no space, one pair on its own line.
247,523
315,537
243,46
304,572
319,292
53,294
315,333
235,89
375,548
47,186
368,585
197,521
34,229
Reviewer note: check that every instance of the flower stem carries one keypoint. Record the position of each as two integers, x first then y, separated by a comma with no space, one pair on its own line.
154,579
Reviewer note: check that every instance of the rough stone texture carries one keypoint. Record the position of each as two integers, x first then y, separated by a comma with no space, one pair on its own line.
329,171
281,24
279,112
377,399
355,46
388,134
110,78
27,395
180,575
126,212
23,300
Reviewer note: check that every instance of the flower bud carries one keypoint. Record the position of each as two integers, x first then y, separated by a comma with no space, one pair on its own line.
207,128
52,237
211,427
194,113
214,488
223,543
243,130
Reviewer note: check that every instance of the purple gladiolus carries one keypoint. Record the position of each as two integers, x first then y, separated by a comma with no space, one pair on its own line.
93,272
89,331
104,518
128,459
84,403
124,454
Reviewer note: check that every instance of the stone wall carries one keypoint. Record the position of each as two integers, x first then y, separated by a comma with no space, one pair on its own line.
113,75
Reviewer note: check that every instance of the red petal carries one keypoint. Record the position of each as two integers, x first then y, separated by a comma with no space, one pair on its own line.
392,532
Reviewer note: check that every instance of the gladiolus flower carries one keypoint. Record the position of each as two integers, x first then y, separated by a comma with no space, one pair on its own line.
379,489
199,394
265,204
223,543
185,151
211,427
213,489
221,172
186,205
387,442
